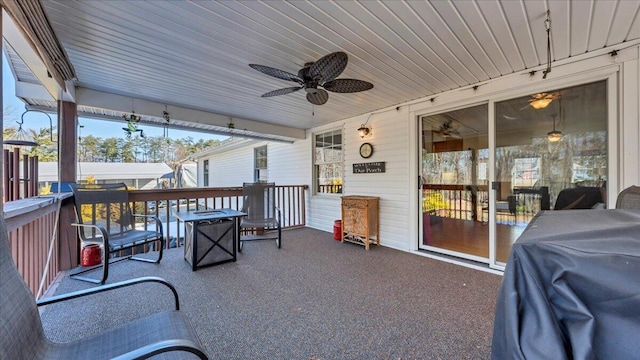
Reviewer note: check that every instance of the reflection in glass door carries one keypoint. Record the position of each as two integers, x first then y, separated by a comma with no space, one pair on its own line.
454,185
551,153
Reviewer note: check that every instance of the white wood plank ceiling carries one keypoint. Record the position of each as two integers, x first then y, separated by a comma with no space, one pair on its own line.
195,54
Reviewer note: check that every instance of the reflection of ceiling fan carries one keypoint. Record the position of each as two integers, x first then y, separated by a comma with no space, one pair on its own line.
322,73
448,129
541,100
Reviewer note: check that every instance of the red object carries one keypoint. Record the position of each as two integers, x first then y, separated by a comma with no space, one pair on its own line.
91,255
337,230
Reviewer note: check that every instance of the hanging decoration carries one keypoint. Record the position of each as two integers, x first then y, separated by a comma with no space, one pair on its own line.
21,137
132,124
165,125
547,25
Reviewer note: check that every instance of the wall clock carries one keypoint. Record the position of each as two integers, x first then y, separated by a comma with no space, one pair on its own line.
366,150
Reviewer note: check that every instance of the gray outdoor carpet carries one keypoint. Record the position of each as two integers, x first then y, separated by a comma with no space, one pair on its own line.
315,298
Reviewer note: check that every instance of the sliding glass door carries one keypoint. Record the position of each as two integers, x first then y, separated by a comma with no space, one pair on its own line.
453,192
549,153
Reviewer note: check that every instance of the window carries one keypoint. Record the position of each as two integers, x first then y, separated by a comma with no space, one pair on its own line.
205,173
260,164
328,162
526,171
589,169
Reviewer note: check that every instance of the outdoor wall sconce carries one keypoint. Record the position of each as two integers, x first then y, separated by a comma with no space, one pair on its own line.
364,130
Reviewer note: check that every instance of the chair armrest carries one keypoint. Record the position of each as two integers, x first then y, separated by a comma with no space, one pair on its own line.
103,232
103,288
162,347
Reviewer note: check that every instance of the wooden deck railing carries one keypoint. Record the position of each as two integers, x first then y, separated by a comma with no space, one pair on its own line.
31,222
471,202
163,203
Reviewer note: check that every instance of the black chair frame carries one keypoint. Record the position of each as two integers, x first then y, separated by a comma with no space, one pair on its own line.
114,232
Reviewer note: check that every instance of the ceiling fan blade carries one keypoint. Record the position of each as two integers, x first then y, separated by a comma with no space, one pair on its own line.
280,74
347,85
284,91
329,67
319,98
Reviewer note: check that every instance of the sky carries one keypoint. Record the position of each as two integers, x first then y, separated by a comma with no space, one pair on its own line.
98,128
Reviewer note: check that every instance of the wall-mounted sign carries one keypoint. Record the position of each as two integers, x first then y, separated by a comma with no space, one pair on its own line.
369,168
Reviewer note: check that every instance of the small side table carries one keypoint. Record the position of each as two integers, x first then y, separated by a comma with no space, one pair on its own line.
211,236
360,220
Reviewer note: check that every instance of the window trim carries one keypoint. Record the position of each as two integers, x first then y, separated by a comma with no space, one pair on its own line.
256,169
340,162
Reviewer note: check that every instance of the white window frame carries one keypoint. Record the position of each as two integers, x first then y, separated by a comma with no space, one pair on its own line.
333,158
257,170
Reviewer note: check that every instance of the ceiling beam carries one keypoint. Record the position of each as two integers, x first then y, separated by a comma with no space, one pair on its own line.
126,104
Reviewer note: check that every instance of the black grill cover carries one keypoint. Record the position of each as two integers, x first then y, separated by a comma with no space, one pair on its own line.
571,288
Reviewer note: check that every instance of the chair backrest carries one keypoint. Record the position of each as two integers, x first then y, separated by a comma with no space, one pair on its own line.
629,198
259,201
103,204
21,333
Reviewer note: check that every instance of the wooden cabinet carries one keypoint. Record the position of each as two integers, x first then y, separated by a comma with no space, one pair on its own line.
360,220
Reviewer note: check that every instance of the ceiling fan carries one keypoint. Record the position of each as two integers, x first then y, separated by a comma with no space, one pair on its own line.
541,100
316,75
448,129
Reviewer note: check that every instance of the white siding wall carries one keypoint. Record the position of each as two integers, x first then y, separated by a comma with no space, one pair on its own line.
395,141
390,138
231,168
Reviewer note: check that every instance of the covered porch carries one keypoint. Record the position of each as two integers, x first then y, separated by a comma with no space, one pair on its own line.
315,298
187,64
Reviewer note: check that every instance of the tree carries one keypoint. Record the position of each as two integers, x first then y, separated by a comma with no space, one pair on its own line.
109,150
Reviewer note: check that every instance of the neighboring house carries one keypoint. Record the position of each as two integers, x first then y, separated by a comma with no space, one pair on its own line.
136,175
187,174
600,132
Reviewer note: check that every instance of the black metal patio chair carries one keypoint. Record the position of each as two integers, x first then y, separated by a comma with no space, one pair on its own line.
22,335
263,217
104,218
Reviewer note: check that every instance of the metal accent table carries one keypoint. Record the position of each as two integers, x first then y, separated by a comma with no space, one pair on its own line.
211,236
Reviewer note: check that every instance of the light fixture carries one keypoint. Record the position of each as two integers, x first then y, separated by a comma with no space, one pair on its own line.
541,103
364,130
554,135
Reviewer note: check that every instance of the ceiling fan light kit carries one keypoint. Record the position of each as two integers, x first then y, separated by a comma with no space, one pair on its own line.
316,78
540,103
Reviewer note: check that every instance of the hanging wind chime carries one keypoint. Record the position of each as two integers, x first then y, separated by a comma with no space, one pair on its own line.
165,125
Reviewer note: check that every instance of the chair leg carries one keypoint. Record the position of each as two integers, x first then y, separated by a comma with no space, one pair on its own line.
279,240
105,270
105,266
157,261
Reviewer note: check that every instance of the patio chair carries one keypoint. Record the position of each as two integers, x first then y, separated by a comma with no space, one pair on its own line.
104,218
263,217
629,198
22,335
